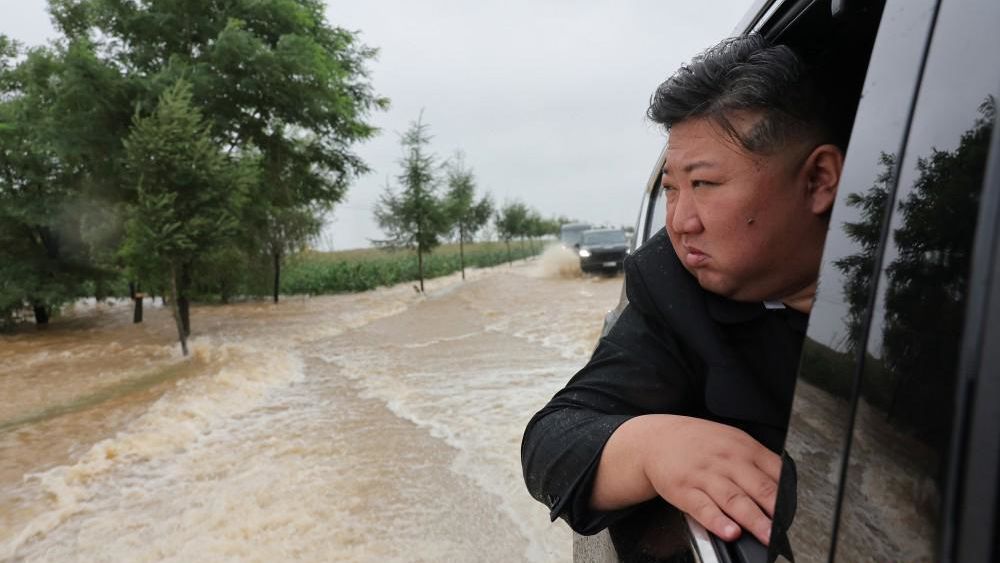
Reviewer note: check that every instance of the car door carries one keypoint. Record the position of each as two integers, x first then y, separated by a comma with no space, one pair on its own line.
878,430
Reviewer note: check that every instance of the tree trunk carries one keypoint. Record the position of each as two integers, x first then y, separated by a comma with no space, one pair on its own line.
137,312
137,300
174,299
420,268
461,249
510,261
41,315
183,304
277,275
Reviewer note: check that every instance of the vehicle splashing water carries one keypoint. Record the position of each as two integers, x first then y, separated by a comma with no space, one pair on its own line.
560,262
367,427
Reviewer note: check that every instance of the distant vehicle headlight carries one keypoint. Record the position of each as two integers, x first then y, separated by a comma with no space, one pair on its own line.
584,253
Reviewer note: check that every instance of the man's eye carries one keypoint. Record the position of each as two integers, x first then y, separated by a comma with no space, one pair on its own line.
702,184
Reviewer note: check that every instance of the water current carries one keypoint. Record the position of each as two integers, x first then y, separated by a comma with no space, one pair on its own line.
380,426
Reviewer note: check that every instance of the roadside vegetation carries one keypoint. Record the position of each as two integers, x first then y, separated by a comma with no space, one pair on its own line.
314,273
193,151
151,139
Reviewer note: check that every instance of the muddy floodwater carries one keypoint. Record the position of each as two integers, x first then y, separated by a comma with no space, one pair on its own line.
380,426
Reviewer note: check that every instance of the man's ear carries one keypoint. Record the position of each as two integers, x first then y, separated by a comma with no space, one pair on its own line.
822,173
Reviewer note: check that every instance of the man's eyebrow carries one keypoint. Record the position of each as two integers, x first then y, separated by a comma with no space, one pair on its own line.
687,168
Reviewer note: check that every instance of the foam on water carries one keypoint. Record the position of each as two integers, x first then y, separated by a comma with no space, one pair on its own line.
172,424
481,413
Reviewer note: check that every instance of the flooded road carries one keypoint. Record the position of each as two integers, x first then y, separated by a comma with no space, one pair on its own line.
368,427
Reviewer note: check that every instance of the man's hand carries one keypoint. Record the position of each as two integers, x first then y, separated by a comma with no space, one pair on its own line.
716,473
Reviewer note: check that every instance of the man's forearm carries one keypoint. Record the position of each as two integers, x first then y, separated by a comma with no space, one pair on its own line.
621,476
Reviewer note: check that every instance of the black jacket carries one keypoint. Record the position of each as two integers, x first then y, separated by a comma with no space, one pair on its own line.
675,349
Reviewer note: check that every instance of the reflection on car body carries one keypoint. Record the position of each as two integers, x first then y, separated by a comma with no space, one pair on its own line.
895,423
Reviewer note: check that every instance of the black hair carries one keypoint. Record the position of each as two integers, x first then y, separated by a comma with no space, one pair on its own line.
747,74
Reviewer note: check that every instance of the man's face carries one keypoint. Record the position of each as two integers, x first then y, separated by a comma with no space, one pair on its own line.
743,224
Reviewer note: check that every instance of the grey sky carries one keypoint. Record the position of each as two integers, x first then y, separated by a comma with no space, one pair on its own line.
546,99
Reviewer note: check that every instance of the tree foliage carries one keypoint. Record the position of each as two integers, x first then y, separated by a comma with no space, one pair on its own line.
270,76
283,94
466,215
43,259
188,194
415,217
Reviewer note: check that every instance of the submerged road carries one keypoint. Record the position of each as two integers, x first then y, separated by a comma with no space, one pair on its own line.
382,426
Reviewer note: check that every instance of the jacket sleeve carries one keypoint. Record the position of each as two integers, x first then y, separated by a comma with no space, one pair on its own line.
636,369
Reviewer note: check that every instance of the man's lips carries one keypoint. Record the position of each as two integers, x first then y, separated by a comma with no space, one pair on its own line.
693,256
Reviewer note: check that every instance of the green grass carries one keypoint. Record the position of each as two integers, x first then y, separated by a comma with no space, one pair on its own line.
315,272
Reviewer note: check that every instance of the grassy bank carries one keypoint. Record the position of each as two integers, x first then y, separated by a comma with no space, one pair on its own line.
360,270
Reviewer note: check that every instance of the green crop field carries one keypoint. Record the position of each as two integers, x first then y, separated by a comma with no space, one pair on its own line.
314,272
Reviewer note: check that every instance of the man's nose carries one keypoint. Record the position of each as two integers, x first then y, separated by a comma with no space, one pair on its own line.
682,214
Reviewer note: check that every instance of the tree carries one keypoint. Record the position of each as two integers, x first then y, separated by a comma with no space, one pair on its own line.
272,79
536,226
466,215
43,259
188,195
511,221
414,218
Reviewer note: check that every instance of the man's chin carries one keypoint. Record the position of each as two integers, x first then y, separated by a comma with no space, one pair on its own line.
724,287
710,281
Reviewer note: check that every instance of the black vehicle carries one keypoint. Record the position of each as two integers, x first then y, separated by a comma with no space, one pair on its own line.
602,250
894,435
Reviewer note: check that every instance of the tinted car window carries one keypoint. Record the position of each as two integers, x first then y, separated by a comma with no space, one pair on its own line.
895,478
818,427
604,237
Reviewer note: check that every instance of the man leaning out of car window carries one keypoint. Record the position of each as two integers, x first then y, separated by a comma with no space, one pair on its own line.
687,397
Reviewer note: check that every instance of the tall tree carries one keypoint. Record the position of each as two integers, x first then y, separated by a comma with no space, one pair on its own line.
188,195
272,77
466,215
415,217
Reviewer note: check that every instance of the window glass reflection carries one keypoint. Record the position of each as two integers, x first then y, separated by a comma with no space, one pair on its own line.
818,426
896,472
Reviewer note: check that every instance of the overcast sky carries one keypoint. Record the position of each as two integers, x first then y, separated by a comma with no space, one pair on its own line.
546,99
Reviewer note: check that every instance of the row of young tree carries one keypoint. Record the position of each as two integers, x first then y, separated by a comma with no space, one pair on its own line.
418,215
184,146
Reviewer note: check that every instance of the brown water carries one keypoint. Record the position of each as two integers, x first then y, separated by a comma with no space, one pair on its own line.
382,426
